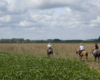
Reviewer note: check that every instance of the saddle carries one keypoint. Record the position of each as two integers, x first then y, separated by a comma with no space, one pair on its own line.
49,50
80,51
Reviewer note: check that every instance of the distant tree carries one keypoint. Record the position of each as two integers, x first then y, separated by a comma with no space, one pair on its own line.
2,40
13,40
56,40
99,38
27,41
17,41
21,40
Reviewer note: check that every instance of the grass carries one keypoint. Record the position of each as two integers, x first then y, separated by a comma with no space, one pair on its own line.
29,67
67,51
64,50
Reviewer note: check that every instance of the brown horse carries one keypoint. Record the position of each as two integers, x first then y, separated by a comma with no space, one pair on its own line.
83,53
49,51
96,53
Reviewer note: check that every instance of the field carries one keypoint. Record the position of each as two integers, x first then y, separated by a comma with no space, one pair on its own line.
66,53
29,67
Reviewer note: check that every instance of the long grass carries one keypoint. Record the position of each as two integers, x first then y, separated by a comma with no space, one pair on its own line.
66,51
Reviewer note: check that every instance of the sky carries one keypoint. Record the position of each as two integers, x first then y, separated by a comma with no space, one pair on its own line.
50,19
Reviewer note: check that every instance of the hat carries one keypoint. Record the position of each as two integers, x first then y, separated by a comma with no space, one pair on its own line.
81,44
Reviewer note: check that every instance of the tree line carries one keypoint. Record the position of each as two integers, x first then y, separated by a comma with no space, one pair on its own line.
22,40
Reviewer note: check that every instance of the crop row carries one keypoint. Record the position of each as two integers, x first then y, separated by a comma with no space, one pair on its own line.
29,67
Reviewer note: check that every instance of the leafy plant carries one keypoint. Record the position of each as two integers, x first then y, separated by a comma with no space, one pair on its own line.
29,67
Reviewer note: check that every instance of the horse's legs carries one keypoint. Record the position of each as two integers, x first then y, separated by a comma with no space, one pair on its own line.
98,59
86,58
95,58
48,55
80,57
52,55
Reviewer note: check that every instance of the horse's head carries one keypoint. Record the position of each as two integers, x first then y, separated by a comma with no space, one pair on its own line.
77,51
93,51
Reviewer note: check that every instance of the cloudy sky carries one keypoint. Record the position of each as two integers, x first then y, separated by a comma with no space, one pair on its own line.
50,19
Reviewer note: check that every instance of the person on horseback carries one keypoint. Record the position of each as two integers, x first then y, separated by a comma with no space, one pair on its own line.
49,46
96,47
49,49
81,48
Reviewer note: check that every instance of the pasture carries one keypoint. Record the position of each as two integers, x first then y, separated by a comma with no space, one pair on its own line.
65,51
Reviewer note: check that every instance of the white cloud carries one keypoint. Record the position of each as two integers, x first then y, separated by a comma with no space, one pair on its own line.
50,18
50,12
35,18
25,23
5,29
97,20
32,28
68,9
6,18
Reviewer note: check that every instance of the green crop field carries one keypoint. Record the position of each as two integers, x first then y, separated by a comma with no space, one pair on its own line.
30,61
29,67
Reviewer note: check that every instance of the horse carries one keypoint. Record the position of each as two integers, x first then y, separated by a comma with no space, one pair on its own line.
49,51
83,53
96,53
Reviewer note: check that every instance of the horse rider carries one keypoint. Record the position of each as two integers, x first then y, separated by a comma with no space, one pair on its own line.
81,48
96,46
49,46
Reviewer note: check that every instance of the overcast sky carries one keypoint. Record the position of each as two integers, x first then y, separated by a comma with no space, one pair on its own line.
50,19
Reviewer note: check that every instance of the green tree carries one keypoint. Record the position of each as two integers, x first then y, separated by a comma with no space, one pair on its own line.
99,38
56,40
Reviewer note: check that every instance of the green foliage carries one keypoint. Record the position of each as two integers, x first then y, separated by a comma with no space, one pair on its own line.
99,38
22,40
56,40
28,67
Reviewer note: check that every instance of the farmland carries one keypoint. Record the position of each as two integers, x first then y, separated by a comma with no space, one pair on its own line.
29,67
29,61
66,51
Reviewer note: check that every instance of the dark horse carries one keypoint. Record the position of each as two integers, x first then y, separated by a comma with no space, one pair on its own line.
96,53
49,51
